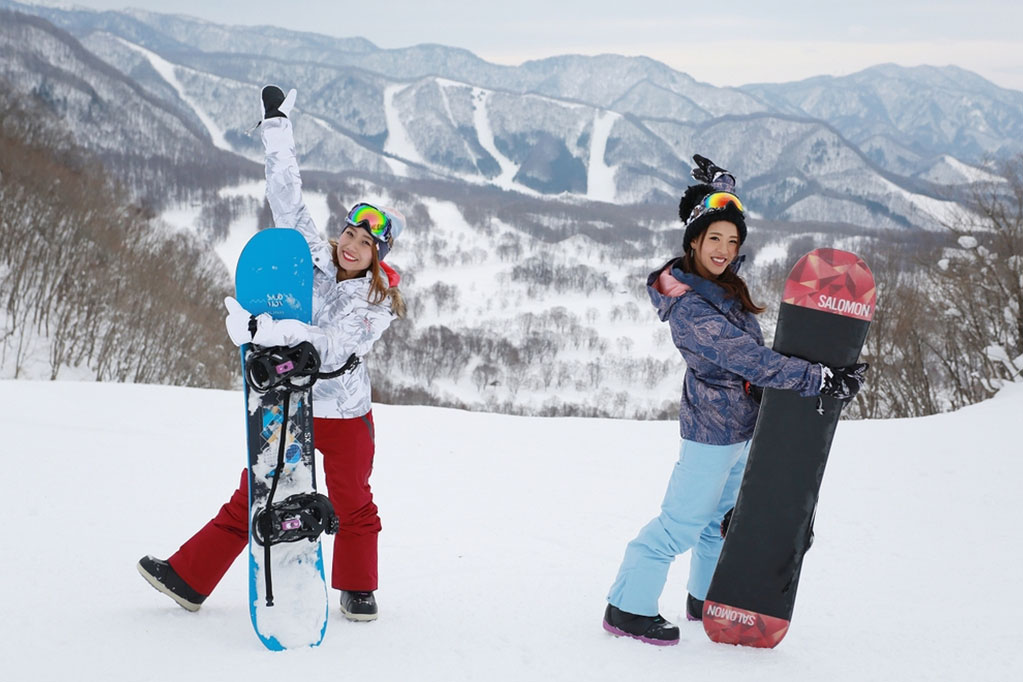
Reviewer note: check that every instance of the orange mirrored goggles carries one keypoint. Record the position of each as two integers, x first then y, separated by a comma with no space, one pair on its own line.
716,201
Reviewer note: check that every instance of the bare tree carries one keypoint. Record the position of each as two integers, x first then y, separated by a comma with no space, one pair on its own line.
977,289
903,379
484,375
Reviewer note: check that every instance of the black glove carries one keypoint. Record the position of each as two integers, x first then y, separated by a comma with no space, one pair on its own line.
275,102
725,521
754,392
707,171
843,382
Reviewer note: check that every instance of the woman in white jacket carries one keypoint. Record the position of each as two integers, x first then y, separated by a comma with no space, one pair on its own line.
355,297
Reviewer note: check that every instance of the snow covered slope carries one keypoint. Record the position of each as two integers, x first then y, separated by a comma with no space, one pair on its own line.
501,537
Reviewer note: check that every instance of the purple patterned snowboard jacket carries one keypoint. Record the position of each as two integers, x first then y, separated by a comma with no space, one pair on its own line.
723,347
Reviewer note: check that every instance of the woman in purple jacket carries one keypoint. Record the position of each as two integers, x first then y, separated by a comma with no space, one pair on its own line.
713,324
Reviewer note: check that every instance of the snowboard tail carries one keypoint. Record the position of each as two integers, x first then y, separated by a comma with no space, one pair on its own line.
733,625
825,314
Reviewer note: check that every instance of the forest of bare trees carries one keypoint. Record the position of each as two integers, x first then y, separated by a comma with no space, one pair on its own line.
83,268
119,299
948,330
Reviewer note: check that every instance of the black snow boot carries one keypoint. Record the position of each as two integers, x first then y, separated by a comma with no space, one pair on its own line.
160,575
650,629
358,605
694,608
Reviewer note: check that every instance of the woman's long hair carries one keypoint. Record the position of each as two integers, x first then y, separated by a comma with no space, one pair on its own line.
734,286
379,288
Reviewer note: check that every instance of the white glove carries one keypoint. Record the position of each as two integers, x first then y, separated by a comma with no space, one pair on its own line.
237,322
289,102
269,332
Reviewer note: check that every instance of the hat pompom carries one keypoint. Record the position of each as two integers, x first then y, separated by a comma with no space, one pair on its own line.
692,196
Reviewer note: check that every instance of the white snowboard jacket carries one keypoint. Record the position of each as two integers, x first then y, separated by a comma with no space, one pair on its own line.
343,320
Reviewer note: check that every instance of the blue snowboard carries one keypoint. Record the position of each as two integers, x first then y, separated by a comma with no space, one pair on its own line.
275,276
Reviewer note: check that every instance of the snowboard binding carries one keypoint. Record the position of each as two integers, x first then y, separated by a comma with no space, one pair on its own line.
300,517
293,368
289,368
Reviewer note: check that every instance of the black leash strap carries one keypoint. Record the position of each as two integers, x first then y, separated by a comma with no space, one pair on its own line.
351,363
267,518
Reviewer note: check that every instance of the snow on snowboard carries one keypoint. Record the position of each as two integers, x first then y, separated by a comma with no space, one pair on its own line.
826,310
275,276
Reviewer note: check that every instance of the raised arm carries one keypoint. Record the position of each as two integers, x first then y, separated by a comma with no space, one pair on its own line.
284,183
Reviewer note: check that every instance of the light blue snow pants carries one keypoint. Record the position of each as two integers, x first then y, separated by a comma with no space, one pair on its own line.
703,486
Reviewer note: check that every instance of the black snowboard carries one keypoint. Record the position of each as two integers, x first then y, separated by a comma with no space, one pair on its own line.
825,313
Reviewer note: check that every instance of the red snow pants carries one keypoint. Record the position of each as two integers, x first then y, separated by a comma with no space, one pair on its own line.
347,447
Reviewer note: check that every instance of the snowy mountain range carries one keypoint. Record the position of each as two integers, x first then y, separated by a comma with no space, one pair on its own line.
538,196
881,148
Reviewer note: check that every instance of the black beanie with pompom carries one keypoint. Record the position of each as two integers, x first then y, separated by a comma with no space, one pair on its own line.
713,179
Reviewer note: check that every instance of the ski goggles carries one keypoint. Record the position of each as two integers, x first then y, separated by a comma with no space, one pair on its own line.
715,201
371,218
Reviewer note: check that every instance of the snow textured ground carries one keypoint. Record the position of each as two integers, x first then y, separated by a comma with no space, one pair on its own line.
501,537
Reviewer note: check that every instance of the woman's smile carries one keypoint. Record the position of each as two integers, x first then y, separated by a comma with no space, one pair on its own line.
354,251
716,248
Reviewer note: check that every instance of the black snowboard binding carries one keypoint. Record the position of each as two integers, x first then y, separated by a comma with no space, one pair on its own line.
291,368
300,517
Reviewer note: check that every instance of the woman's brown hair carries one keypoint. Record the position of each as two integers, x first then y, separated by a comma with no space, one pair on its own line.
734,286
379,287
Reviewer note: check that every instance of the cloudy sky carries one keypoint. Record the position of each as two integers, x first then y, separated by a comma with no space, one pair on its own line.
721,43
